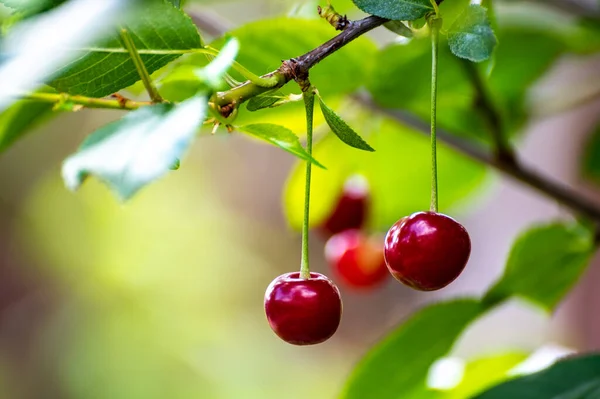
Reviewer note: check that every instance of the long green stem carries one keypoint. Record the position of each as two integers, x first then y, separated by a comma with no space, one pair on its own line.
87,102
435,25
309,103
139,65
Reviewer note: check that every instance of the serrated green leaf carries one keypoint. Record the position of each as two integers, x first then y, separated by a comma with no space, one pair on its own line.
399,364
471,35
398,28
155,25
19,119
141,147
572,378
264,101
402,10
342,130
544,263
280,136
30,55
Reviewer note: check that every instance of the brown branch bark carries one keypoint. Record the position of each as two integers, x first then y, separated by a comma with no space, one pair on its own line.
295,68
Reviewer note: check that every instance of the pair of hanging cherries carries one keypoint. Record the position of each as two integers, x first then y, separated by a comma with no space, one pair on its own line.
425,251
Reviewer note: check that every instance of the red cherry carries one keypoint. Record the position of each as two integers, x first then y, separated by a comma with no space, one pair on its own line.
356,260
303,311
351,209
427,250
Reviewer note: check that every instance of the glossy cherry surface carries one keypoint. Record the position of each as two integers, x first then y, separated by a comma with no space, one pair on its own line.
303,311
356,259
350,211
427,250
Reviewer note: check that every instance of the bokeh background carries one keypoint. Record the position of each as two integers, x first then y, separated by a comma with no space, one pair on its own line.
162,297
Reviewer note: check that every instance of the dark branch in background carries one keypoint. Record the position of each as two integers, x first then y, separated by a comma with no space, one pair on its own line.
211,23
487,109
503,160
563,195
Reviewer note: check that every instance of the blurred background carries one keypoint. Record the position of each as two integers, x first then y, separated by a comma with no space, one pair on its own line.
163,297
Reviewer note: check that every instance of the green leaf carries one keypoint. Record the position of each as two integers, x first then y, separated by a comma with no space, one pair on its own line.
19,119
155,25
30,7
471,35
181,83
264,101
572,378
342,130
450,10
590,167
399,364
544,263
403,10
483,373
386,172
280,136
141,147
398,28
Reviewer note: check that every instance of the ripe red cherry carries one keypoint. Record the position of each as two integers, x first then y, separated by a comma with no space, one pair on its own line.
303,311
351,209
427,250
357,260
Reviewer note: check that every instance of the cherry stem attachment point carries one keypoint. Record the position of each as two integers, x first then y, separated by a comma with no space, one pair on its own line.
309,104
435,24
140,66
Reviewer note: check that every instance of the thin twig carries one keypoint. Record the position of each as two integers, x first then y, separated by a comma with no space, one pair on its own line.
87,102
295,67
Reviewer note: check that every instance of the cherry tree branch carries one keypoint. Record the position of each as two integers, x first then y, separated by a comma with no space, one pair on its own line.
295,68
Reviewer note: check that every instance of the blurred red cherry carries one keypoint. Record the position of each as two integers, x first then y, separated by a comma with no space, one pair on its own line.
356,259
351,209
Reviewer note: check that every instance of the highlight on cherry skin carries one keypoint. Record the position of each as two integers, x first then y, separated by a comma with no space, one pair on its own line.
350,210
427,250
357,259
303,311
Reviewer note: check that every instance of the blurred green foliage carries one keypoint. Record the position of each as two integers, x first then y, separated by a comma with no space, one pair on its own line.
160,297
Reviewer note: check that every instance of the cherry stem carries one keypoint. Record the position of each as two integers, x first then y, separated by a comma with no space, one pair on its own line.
435,24
309,104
